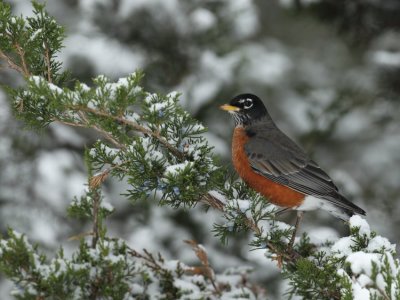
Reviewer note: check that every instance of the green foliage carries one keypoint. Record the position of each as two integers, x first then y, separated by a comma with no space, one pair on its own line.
110,270
346,289
170,156
315,278
154,145
359,264
257,215
16,252
103,270
82,208
30,45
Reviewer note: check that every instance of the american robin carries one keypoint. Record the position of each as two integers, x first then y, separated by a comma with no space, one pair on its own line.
275,166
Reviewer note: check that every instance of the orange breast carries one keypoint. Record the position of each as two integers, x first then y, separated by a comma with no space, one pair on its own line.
276,193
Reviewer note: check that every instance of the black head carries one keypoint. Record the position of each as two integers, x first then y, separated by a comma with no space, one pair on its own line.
246,108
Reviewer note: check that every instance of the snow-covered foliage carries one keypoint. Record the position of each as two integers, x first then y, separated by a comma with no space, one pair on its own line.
373,271
362,265
112,270
330,91
170,156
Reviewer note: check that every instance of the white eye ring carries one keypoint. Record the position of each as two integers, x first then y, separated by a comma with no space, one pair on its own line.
248,103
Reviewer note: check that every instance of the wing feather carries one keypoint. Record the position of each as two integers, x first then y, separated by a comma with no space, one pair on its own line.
287,164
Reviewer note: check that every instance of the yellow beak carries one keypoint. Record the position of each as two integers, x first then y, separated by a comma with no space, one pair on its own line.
229,108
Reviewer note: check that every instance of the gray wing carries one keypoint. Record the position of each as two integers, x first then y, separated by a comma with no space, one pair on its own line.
279,159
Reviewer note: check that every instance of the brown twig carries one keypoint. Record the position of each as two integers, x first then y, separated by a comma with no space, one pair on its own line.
148,257
290,255
21,54
24,69
206,268
98,129
69,123
134,126
107,135
48,63
80,236
96,180
383,293
96,211
99,178
210,200
11,63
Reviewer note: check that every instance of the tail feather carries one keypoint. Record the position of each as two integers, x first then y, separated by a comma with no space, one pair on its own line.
342,203
340,212
336,205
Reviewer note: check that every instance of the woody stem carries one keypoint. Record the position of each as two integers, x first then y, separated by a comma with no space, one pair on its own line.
296,227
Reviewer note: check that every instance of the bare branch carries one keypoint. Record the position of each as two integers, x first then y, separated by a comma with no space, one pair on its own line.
101,130
210,200
206,269
21,54
11,63
48,63
290,255
70,123
96,211
137,127
108,136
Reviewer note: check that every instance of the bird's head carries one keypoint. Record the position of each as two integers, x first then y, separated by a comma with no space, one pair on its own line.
245,109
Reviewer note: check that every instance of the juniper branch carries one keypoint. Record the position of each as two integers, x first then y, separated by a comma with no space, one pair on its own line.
96,223
11,63
21,54
107,135
85,112
48,63
290,255
134,126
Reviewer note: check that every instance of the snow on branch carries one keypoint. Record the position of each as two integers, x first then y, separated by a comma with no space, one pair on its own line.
153,144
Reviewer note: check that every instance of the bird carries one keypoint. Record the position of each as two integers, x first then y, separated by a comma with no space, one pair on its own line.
276,167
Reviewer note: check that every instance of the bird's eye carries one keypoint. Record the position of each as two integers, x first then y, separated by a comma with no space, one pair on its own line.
248,103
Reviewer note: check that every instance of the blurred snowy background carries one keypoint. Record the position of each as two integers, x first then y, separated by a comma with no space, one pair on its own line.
328,71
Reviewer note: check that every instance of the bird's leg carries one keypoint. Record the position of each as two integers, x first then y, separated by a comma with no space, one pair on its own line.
296,227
